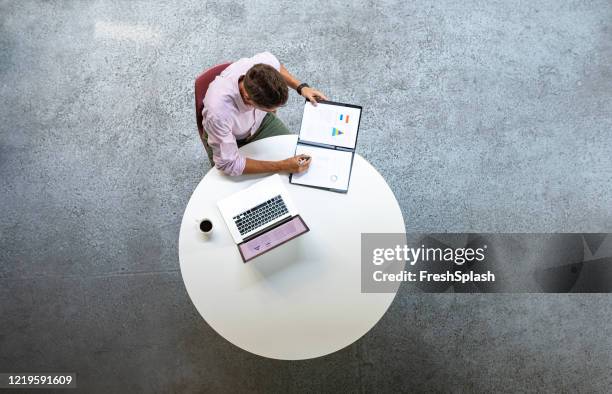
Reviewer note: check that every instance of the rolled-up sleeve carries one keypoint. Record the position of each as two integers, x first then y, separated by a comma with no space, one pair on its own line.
266,58
226,156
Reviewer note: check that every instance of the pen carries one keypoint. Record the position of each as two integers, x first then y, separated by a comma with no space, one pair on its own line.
303,160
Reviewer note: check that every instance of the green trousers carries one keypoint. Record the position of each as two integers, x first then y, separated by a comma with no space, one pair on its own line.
271,126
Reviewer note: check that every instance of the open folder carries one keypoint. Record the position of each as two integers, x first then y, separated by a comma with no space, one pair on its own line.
329,136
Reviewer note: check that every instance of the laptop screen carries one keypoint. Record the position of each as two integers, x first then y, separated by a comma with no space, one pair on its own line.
272,238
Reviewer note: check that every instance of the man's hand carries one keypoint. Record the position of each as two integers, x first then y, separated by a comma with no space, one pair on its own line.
312,95
296,164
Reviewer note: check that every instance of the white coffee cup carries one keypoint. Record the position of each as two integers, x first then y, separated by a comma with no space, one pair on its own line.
205,225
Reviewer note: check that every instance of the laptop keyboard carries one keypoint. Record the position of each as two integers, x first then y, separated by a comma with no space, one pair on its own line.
258,216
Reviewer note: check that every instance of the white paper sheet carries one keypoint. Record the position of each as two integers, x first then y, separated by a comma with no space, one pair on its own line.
330,124
329,168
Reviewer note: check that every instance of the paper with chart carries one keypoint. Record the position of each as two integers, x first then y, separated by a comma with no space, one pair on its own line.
330,124
329,168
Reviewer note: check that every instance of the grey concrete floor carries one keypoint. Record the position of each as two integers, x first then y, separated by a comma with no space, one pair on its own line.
486,116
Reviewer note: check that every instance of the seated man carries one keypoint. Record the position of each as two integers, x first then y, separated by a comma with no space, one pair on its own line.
240,107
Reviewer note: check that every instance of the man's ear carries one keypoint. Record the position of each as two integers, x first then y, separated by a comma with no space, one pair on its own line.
243,91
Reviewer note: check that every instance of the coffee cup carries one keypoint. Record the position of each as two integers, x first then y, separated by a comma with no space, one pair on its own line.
205,225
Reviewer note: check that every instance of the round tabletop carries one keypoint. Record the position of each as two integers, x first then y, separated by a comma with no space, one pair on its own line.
302,299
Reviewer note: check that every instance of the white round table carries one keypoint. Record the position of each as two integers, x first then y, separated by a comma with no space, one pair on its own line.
302,299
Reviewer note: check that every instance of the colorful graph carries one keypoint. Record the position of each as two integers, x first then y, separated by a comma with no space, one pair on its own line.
336,132
345,117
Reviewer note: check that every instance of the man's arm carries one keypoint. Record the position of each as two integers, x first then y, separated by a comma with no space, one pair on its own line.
308,93
294,164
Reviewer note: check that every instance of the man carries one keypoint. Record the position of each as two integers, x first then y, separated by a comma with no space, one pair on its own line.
240,107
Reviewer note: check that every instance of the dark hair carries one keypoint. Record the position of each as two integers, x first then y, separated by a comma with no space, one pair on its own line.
266,86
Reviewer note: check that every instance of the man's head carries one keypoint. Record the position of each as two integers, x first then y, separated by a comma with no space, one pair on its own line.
265,87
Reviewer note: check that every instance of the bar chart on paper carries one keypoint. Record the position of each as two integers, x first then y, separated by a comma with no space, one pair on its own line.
336,132
328,124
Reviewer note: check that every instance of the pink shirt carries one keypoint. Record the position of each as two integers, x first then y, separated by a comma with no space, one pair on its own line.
226,118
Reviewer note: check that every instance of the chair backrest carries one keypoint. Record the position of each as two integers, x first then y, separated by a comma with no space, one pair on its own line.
201,86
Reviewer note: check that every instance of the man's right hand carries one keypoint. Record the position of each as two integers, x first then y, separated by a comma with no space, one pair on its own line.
291,165
296,164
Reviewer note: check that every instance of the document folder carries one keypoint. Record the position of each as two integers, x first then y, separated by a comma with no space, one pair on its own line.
328,135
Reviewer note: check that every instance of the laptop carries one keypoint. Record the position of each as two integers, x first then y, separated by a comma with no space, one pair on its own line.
261,217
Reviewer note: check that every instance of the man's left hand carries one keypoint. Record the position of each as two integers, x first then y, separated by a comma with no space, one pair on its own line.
313,95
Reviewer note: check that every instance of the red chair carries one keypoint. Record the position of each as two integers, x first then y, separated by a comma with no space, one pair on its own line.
201,86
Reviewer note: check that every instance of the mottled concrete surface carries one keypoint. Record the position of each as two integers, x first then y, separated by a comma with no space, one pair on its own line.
487,116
